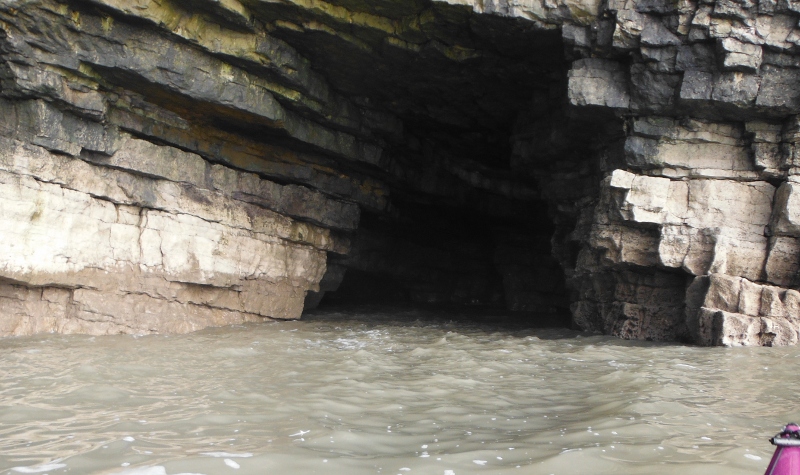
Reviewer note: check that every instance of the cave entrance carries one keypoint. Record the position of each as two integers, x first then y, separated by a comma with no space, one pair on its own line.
482,101
452,260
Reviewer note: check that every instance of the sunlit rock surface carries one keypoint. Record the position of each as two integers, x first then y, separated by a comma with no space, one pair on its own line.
627,167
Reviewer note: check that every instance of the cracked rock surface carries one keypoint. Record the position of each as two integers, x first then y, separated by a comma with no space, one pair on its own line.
623,166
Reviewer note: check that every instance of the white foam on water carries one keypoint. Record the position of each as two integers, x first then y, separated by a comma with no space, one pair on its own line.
227,454
349,344
752,456
449,472
39,468
231,463
479,462
128,439
154,470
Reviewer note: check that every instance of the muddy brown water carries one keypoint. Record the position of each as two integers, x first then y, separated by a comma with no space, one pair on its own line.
388,393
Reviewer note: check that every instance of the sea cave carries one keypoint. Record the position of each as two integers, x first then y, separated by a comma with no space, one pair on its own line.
624,168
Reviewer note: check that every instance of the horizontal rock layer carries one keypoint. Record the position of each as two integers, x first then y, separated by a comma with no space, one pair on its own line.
116,250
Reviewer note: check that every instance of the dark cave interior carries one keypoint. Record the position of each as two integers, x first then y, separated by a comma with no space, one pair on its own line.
485,123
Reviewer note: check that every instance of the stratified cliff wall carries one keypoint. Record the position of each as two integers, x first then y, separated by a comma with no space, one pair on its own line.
626,166
692,233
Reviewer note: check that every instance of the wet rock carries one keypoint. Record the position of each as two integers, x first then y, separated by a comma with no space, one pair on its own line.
734,311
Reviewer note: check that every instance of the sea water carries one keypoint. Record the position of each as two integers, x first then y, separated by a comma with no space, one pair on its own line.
403,392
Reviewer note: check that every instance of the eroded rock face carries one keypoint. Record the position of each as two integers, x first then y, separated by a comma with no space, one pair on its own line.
140,246
626,164
690,237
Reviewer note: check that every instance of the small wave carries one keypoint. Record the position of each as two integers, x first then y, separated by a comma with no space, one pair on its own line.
227,454
153,470
39,468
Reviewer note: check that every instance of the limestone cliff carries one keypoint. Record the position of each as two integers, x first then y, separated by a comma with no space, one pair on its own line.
628,165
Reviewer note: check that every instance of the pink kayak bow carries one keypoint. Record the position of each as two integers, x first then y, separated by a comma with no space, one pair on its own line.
786,460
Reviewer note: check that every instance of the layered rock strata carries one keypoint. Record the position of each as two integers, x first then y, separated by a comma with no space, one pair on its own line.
688,238
149,238
627,165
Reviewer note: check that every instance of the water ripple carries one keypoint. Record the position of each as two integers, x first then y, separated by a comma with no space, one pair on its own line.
387,393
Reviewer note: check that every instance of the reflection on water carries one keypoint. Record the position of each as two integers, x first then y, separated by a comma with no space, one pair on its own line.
388,394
